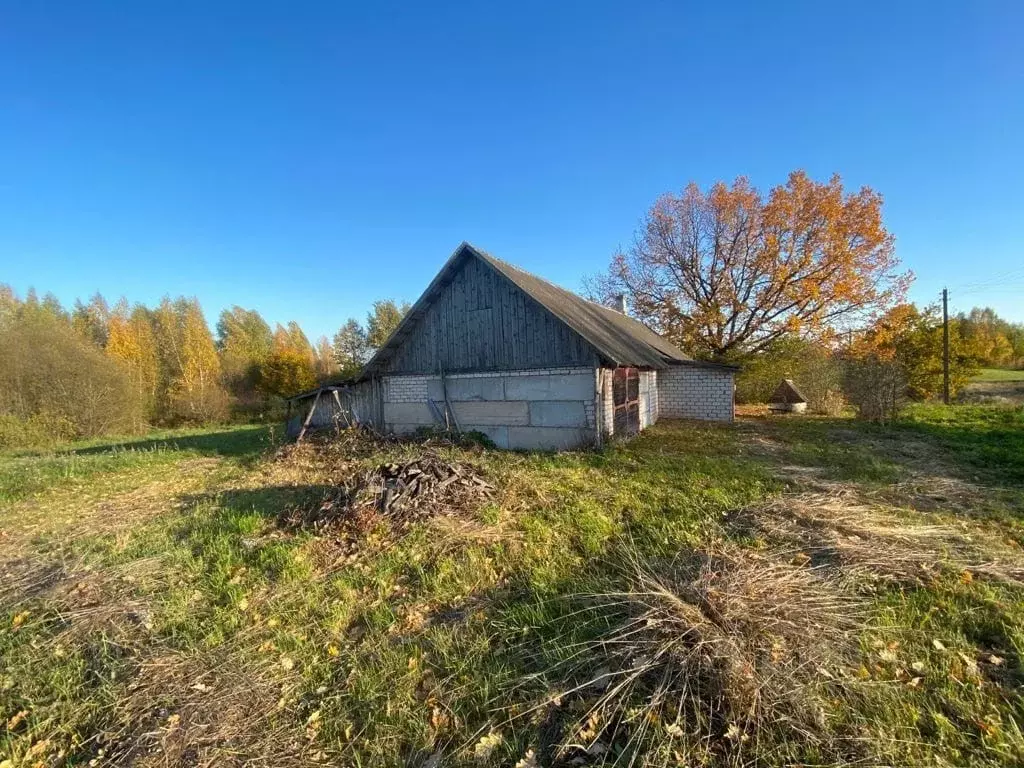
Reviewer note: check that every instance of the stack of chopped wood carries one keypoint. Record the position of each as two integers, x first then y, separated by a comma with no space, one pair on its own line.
398,493
426,486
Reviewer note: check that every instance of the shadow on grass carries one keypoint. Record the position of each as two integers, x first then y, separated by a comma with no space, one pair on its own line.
965,442
241,510
241,442
989,439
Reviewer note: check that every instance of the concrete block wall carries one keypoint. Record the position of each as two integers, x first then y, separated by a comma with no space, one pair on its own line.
551,408
695,392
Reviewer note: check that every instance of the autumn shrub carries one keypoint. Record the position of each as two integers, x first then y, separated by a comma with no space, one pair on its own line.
52,379
286,373
40,430
876,387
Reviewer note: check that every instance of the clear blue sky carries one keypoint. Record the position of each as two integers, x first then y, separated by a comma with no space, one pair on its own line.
305,158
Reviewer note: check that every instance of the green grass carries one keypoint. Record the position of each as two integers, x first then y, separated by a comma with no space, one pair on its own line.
207,630
988,440
999,374
24,473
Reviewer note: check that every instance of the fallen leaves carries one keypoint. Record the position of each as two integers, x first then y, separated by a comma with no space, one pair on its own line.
487,744
17,719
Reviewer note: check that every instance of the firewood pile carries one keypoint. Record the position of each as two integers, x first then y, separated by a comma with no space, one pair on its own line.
399,494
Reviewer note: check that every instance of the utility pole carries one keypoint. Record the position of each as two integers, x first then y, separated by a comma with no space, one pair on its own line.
945,346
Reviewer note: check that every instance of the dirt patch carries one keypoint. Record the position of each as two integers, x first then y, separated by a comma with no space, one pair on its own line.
210,708
77,601
866,541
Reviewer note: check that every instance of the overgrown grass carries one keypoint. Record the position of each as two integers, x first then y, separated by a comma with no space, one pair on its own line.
208,632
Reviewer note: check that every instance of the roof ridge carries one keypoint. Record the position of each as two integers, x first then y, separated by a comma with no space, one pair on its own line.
517,268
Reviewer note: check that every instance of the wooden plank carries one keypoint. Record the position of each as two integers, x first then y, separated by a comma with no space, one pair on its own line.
341,410
481,321
309,417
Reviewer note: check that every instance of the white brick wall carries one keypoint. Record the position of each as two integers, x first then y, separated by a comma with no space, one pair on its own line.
607,403
405,389
695,392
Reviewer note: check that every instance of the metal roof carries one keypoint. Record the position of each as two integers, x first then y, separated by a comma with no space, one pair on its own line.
619,339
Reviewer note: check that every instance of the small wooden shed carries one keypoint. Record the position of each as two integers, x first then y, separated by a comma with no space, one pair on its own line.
787,398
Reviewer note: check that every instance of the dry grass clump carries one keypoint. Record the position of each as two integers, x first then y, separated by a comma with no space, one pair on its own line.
78,601
727,654
868,542
212,708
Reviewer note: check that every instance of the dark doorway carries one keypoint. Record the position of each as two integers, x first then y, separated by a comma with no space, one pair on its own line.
626,399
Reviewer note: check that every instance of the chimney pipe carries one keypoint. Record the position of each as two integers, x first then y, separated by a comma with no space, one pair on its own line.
620,303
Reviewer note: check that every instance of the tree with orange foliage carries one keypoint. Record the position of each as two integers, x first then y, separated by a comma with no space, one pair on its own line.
726,272
131,341
900,356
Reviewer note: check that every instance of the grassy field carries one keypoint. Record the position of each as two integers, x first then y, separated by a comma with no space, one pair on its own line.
995,386
999,374
779,591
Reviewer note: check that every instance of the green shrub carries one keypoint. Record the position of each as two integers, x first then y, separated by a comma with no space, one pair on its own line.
41,430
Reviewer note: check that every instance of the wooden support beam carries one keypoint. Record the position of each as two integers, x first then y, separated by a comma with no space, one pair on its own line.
309,418
341,410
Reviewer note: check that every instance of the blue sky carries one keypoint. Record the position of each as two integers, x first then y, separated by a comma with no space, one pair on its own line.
305,158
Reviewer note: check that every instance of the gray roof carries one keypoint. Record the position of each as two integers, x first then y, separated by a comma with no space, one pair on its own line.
619,339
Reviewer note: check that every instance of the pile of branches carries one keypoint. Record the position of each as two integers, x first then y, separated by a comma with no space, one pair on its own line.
398,493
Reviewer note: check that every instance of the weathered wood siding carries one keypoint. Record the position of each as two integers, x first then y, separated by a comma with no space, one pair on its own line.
360,404
482,322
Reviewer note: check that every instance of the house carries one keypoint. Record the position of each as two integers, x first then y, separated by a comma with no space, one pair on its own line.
491,348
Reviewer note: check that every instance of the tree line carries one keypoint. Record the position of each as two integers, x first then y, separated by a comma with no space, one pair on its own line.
800,282
97,368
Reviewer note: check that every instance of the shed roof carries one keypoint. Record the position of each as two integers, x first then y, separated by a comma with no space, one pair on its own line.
619,339
787,392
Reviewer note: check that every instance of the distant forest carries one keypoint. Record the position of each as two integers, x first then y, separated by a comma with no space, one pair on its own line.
98,369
